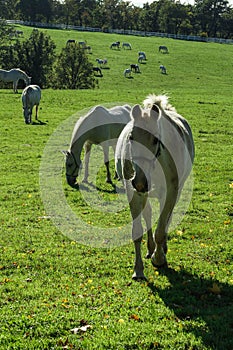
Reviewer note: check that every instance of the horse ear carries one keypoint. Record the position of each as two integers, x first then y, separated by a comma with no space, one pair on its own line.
155,108
136,112
155,111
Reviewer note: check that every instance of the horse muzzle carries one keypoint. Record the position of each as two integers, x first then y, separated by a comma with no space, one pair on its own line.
71,180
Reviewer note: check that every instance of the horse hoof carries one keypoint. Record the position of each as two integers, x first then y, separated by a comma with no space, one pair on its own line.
139,277
159,265
159,261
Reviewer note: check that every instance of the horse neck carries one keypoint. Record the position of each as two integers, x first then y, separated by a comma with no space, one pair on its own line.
77,145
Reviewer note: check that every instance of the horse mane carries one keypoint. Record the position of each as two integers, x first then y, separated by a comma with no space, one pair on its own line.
160,100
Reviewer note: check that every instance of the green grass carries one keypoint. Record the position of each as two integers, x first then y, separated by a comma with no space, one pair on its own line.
51,284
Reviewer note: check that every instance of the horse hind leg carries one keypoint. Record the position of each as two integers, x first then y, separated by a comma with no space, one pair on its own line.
37,106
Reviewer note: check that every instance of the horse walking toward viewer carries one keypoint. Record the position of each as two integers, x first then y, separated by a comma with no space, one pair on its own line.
154,157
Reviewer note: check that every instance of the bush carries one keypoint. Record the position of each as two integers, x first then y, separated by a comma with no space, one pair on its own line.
73,69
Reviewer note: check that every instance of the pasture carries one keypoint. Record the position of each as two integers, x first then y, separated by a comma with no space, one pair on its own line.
57,293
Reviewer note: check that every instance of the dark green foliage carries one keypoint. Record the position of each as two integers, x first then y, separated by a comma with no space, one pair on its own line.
73,69
35,56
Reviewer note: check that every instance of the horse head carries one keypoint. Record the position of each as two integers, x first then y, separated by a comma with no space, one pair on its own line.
144,146
72,168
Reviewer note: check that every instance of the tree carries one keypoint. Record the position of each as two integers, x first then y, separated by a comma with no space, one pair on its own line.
38,56
209,13
73,69
35,10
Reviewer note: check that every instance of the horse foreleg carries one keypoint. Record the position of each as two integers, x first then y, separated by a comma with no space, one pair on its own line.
147,213
87,153
15,85
136,207
37,111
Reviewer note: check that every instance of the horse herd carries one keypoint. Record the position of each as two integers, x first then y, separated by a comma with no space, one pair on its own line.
154,153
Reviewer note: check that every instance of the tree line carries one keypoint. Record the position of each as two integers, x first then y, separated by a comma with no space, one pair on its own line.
210,18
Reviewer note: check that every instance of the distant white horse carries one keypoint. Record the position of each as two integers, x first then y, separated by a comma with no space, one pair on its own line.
154,156
127,46
163,69
31,96
102,62
127,73
14,75
141,58
100,126
163,49
142,54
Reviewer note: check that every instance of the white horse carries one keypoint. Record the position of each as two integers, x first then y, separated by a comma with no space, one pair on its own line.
100,126
14,75
142,54
127,46
154,156
127,73
163,69
31,96
101,61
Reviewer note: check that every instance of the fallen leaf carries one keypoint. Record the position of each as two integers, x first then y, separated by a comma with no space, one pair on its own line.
135,317
215,289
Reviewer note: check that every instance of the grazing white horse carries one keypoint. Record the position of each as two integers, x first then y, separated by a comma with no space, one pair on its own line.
31,96
154,156
163,69
141,58
127,46
127,73
102,62
14,75
100,126
142,54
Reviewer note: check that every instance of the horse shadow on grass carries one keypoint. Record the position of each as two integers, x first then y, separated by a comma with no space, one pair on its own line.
196,300
39,122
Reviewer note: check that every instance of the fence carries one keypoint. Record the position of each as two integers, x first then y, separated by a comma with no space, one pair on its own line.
122,31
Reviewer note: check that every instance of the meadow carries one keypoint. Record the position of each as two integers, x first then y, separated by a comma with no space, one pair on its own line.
62,293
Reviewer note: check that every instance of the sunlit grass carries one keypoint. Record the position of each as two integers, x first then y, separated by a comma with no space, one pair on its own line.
51,284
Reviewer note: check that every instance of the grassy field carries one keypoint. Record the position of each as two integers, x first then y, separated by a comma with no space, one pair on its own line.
57,293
